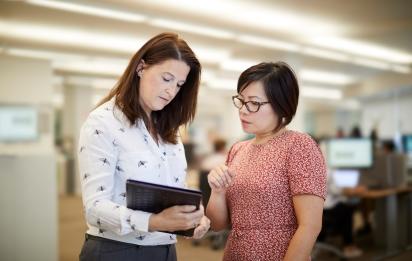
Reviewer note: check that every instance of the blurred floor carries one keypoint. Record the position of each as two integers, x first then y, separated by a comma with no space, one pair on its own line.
72,228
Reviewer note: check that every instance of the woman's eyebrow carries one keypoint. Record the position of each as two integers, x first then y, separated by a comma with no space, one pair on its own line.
257,97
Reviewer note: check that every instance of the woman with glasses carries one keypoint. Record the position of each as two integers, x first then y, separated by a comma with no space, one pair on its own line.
134,134
272,188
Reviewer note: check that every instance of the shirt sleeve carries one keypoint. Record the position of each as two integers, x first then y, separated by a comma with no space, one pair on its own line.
232,152
97,157
306,168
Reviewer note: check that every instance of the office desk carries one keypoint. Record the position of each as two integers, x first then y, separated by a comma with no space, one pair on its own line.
393,218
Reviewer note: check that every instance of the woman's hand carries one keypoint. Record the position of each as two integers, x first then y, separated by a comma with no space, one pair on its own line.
219,179
203,227
176,218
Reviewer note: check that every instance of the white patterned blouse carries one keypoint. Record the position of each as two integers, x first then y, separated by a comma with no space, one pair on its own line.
112,151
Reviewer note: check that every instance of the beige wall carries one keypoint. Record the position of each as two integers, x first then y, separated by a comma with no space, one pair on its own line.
28,194
27,81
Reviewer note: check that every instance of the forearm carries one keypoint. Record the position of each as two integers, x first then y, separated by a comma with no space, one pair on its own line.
217,212
300,247
109,216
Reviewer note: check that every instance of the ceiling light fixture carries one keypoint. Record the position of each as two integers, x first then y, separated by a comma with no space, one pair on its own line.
237,65
331,55
67,36
192,28
268,43
321,93
90,10
324,77
363,49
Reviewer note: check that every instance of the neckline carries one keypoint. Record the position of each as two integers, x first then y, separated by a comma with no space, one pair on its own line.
270,140
146,132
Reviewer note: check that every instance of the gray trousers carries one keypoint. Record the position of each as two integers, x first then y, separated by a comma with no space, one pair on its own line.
102,249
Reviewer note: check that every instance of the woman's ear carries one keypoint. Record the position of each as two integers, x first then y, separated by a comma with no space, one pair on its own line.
140,67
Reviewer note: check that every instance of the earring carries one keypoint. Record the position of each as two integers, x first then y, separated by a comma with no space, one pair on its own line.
139,73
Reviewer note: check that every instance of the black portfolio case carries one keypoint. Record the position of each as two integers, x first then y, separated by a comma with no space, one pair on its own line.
154,198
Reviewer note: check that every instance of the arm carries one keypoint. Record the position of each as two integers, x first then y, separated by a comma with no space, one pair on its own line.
217,211
309,210
97,158
307,181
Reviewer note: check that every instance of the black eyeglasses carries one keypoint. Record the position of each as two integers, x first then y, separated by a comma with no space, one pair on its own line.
251,106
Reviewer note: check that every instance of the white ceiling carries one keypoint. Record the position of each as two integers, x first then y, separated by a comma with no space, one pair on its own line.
81,43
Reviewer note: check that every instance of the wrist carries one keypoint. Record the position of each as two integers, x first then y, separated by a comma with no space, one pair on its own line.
153,223
219,193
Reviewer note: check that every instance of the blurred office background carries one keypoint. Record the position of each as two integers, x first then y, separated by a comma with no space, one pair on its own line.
58,58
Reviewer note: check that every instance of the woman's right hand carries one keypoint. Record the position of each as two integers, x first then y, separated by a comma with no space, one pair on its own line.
219,179
176,218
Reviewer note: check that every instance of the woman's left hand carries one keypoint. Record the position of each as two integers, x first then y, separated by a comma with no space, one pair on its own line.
202,228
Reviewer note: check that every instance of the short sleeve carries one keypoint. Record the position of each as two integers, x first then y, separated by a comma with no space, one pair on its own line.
306,167
233,150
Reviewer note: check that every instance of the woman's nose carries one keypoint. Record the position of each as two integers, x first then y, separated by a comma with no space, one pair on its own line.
171,89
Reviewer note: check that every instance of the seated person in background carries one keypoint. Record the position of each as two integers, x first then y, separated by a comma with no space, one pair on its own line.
338,215
388,147
367,206
216,158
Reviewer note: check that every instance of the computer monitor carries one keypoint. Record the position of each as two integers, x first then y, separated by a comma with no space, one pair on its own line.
349,153
18,123
407,144
348,178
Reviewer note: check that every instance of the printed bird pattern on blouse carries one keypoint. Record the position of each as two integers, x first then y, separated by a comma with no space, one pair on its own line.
110,152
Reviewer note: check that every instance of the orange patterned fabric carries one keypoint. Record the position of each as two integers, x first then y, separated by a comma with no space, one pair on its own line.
266,177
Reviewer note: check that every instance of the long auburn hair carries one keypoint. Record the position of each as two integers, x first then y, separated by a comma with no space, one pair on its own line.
181,110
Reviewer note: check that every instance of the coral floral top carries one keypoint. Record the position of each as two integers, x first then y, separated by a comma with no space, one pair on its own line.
266,177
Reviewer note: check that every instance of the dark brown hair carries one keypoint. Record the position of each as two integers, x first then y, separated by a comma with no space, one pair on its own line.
181,109
281,88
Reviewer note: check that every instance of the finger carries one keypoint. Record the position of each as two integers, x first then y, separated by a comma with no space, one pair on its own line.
214,177
199,232
217,181
224,173
205,221
196,216
186,208
213,186
223,167
226,178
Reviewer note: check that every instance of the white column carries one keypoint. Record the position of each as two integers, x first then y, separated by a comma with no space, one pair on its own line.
28,185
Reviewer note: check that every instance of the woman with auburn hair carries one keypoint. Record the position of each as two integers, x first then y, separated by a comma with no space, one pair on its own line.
133,134
272,188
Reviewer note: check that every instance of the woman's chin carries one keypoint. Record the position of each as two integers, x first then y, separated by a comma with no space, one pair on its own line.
247,130
158,107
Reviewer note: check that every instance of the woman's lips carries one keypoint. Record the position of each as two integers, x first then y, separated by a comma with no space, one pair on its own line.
166,100
245,122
